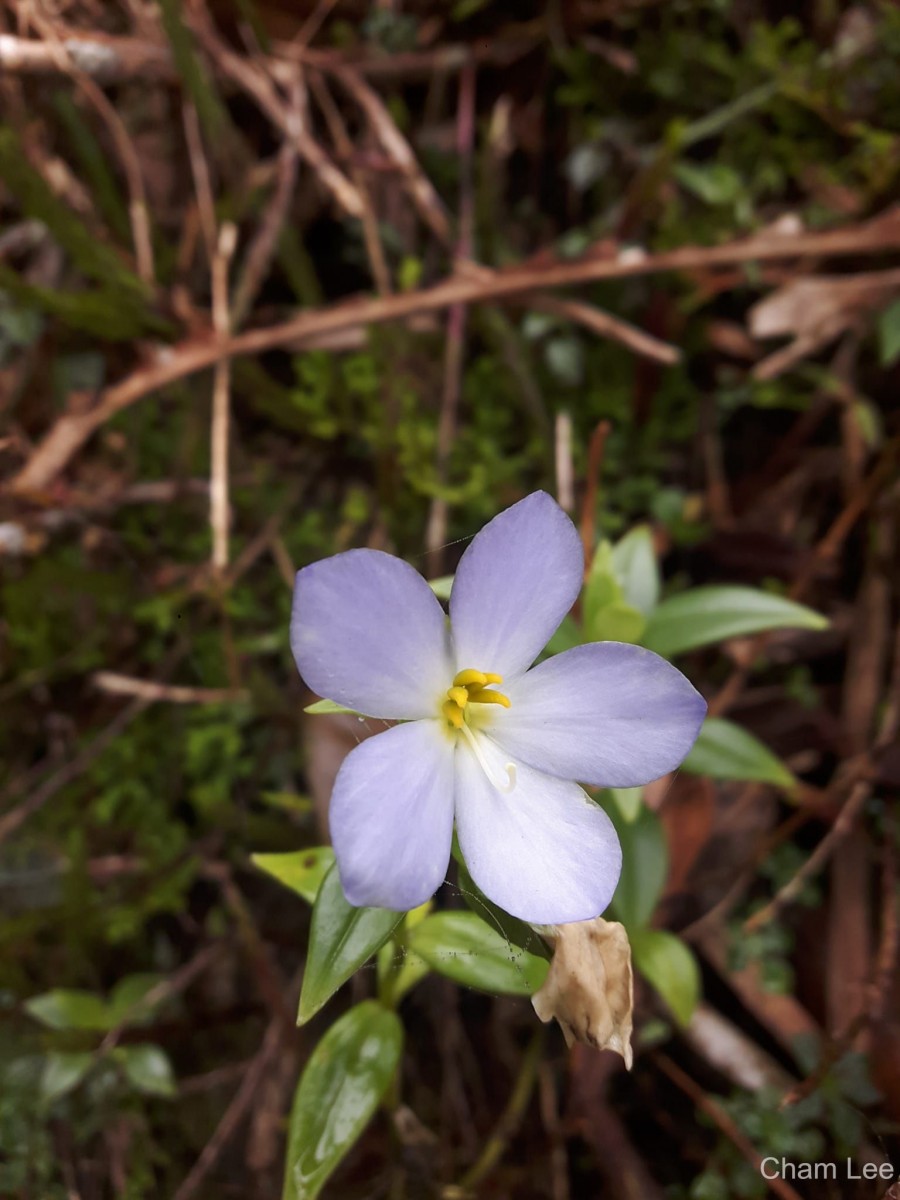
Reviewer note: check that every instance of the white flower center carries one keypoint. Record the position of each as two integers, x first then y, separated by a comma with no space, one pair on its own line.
474,688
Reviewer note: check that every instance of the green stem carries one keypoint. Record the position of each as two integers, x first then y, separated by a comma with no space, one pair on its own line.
510,1119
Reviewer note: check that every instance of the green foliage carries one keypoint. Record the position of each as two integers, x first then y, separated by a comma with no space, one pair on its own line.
341,940
645,864
340,1088
706,615
670,966
302,871
463,947
725,751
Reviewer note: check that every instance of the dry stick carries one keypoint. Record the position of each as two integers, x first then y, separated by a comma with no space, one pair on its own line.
374,250
219,506
263,91
454,350
589,504
137,196
262,248
562,461
151,690
395,145
71,430
110,59
607,326
235,1112
723,1121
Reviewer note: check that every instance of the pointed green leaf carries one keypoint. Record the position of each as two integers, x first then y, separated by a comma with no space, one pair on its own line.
607,617
645,865
62,1072
71,1008
342,938
339,1090
461,946
302,871
329,706
637,569
705,615
670,966
725,751
147,1069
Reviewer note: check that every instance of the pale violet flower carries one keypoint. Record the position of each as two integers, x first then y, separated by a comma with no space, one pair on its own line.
487,739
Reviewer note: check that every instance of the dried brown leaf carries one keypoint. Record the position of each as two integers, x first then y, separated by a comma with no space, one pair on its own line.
589,988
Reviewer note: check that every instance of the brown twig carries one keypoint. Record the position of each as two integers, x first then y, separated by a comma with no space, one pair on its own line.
265,241
592,488
71,431
152,691
723,1122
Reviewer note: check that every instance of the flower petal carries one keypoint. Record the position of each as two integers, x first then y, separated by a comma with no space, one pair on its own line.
544,852
515,583
391,816
367,631
607,714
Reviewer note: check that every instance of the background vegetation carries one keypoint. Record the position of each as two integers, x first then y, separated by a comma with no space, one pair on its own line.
281,279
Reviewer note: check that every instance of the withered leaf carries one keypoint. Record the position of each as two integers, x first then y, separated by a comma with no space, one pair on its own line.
589,988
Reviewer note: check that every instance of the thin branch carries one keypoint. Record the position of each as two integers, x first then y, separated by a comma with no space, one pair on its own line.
71,431
151,690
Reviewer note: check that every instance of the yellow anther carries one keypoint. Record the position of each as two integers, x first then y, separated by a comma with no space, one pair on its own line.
478,678
453,713
485,696
493,678
459,695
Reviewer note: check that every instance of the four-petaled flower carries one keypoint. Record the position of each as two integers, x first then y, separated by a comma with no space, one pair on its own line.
484,739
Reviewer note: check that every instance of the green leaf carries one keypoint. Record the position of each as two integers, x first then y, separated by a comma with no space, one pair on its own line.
645,865
616,623
520,933
705,615
607,616
341,1087
342,938
627,801
670,966
637,569
725,751
126,1003
329,706
62,1072
889,334
302,871
442,587
147,1069
461,946
71,1008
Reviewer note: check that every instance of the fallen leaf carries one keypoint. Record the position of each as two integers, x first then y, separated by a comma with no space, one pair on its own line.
589,988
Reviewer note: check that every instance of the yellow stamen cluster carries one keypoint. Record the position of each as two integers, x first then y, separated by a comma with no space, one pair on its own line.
471,687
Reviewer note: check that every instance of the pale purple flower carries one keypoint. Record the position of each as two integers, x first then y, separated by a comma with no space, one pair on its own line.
488,740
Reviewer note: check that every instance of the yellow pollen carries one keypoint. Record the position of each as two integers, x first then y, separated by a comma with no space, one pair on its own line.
471,687
485,696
